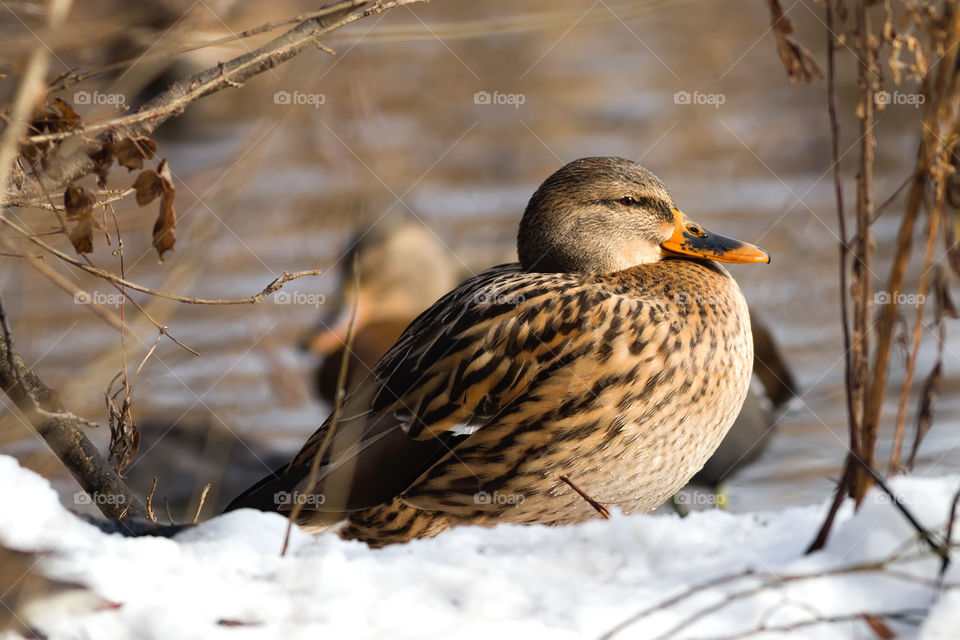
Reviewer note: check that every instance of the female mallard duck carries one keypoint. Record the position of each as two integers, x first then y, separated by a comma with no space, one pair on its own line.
750,433
616,353
403,269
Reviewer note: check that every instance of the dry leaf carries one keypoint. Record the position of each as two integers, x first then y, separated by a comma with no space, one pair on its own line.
130,152
165,228
148,186
81,235
944,307
103,157
78,202
796,58
67,117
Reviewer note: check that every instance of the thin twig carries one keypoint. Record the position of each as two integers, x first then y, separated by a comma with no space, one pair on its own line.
338,399
78,294
274,286
178,96
599,508
937,546
166,508
844,249
151,514
948,536
203,499
680,597
767,580
109,197
933,231
220,76
513,23
73,78
906,615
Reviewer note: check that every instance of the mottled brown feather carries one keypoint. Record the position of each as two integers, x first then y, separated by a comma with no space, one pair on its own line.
625,381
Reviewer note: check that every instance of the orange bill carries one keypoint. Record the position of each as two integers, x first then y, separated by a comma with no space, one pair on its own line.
691,239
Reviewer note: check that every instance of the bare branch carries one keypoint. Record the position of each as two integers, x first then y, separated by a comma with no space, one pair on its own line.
274,286
62,433
174,100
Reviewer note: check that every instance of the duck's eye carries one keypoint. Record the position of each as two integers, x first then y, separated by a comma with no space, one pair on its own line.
627,201
695,230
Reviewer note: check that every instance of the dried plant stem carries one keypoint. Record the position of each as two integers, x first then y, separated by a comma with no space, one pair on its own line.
935,147
203,499
151,513
933,230
338,399
680,597
866,380
844,249
758,582
863,435
862,616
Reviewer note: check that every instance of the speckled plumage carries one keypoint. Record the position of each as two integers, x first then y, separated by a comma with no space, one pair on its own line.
623,379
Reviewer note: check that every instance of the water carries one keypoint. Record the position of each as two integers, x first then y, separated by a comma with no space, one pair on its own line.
265,188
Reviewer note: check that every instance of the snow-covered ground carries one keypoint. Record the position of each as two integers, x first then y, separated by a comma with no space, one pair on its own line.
641,576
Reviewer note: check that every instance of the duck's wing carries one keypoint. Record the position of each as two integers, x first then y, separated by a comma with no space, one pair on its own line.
454,368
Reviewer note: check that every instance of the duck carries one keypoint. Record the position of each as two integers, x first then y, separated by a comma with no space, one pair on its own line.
402,268
773,387
401,256
602,368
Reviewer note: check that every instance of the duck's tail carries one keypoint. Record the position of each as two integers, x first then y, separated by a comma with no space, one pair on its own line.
272,493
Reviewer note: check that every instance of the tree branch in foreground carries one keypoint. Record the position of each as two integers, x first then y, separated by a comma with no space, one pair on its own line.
61,431
178,96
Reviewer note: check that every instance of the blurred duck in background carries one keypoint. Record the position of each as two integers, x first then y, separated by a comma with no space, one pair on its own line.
403,269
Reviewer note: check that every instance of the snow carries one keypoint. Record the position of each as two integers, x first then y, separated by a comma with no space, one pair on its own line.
226,578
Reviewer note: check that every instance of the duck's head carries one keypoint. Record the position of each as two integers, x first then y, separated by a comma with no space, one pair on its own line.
600,215
403,269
